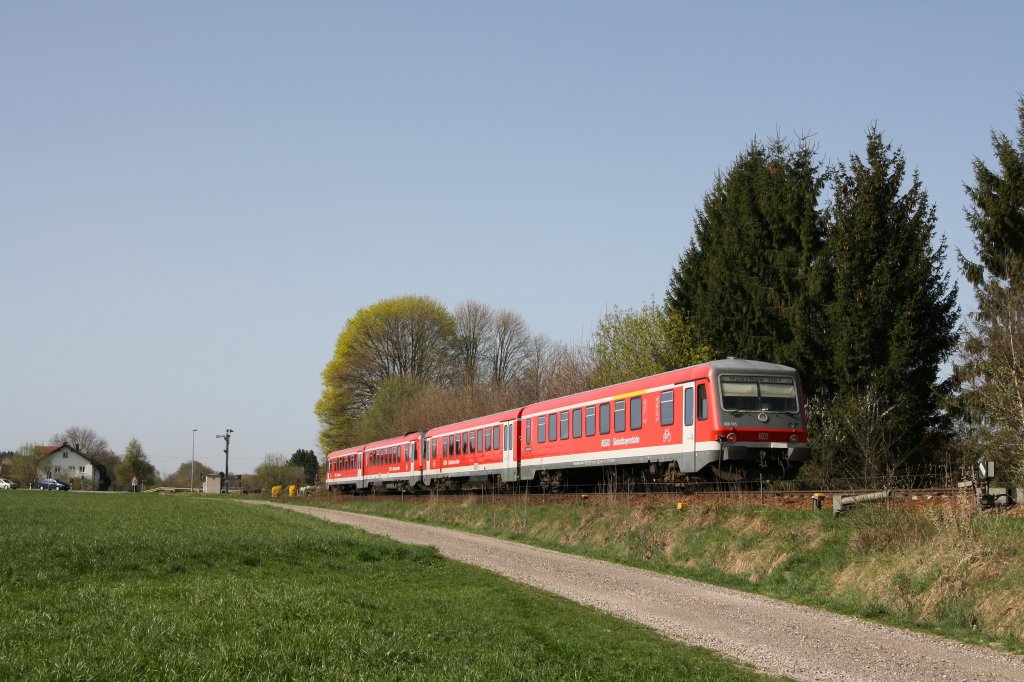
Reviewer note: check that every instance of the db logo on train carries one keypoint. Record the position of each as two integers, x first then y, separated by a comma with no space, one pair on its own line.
762,436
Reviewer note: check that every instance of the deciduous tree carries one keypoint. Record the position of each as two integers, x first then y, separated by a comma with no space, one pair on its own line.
24,464
93,446
629,344
473,341
275,470
401,337
135,464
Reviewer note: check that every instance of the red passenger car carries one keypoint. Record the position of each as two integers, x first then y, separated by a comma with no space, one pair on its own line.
480,450
727,419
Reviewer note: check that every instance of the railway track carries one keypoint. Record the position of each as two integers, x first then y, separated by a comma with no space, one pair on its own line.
791,499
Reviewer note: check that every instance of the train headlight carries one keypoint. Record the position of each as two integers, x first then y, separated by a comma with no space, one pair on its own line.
731,437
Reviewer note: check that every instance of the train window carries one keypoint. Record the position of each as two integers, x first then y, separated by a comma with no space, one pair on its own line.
541,429
487,440
668,406
465,443
702,402
688,407
758,393
620,416
527,431
479,440
472,441
606,421
508,436
496,437
433,448
552,427
563,425
458,444
577,422
444,446
588,420
636,413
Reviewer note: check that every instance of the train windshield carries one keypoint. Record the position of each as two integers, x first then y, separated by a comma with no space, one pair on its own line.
741,393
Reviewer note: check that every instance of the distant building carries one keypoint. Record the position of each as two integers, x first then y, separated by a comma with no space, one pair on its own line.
69,465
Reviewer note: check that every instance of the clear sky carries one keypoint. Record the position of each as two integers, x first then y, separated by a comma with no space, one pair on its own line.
195,196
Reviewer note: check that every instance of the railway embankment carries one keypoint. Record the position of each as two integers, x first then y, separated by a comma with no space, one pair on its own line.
941,566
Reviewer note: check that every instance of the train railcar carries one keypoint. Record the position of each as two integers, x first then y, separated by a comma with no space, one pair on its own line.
345,469
472,452
728,419
391,464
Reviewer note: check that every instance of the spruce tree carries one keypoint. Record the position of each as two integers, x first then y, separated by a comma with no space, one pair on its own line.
752,281
892,322
996,217
990,368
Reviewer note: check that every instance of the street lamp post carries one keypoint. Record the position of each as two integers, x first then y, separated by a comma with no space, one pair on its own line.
192,476
227,446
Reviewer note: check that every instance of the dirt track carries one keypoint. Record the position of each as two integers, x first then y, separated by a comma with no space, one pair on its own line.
773,636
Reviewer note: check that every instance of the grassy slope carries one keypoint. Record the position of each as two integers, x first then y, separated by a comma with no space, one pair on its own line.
113,587
949,570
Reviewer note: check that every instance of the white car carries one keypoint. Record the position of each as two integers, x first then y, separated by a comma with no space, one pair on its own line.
8,484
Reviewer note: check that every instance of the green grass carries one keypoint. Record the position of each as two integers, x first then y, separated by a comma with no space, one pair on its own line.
950,571
127,587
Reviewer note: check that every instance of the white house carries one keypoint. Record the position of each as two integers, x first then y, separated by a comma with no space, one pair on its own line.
67,464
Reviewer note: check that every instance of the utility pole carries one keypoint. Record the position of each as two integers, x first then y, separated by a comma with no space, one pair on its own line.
227,446
192,476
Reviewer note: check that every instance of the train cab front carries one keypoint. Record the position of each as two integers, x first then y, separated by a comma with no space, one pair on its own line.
762,427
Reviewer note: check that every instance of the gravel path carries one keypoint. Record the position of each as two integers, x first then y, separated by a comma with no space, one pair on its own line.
773,636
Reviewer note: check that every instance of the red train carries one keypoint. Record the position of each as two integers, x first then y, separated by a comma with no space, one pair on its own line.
733,420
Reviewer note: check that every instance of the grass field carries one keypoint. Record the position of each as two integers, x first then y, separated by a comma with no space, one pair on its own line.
949,569
128,587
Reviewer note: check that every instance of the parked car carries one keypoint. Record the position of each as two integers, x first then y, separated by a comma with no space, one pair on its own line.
52,484
7,484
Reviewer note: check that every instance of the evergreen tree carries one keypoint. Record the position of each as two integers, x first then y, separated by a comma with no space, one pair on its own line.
996,217
309,463
752,280
893,318
991,364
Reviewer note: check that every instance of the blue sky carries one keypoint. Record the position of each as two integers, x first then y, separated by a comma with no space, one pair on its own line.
195,196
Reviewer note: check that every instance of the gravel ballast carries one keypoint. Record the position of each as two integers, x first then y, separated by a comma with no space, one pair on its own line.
773,636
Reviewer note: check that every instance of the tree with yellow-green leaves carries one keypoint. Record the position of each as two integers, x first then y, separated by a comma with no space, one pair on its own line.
409,336
635,343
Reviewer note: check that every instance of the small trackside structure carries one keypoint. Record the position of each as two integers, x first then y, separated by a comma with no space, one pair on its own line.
841,503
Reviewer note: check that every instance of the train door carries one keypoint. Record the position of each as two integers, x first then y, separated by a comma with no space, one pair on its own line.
689,425
359,469
508,443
